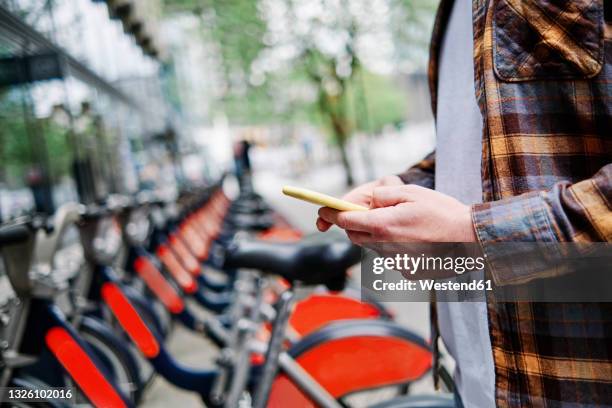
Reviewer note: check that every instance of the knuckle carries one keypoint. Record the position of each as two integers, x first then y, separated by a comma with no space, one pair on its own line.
355,238
390,180
378,190
376,194
326,214
343,221
380,229
411,188
408,213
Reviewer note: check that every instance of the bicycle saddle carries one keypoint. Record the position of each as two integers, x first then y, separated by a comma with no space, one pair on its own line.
249,207
305,261
249,222
14,234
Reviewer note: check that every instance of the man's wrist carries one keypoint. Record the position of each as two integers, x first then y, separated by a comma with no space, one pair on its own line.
470,227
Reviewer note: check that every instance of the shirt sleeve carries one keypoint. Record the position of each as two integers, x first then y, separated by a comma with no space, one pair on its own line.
422,173
580,212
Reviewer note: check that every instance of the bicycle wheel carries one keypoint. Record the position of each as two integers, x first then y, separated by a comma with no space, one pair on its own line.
118,359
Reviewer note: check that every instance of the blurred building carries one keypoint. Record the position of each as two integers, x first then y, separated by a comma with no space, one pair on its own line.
83,108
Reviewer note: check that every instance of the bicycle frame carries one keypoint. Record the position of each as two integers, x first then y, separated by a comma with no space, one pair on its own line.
51,338
71,353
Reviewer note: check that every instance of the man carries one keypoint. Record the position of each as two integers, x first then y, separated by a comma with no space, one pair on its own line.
522,95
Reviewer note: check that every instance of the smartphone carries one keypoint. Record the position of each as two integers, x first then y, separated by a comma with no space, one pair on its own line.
321,199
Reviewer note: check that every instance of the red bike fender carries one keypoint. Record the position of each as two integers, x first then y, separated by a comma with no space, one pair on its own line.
317,310
158,284
82,369
374,355
184,254
194,241
185,281
193,223
130,320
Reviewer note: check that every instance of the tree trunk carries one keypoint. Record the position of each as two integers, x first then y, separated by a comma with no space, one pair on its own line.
346,163
338,126
341,138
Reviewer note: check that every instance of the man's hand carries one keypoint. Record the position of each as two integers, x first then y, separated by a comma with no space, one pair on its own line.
405,213
362,195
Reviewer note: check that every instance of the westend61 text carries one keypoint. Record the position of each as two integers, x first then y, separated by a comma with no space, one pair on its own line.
430,284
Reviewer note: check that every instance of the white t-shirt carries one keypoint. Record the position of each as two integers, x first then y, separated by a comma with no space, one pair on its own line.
463,325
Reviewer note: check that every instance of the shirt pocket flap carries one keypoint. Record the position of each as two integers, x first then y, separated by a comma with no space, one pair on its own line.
547,39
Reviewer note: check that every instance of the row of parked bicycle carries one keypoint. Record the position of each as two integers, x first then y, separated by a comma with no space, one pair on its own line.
90,296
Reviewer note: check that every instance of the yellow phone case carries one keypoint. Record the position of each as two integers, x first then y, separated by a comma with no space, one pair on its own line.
321,199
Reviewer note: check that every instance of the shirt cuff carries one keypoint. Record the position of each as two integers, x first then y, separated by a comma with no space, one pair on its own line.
524,218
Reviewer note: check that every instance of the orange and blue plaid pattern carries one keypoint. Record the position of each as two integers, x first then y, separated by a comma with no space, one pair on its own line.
543,81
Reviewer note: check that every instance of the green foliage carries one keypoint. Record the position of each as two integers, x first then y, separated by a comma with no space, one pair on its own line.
58,149
375,101
26,142
240,29
15,151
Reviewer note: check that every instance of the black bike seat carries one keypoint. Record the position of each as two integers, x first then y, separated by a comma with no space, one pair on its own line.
249,222
305,261
249,207
14,234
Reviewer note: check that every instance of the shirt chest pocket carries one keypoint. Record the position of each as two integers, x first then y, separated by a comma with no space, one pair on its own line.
547,39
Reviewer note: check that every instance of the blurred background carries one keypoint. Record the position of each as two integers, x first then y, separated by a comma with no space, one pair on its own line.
118,96
98,97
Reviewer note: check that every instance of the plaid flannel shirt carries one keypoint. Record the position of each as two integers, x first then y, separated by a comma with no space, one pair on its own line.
543,81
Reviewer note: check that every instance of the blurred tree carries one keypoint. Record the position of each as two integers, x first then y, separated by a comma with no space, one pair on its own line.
281,58
16,152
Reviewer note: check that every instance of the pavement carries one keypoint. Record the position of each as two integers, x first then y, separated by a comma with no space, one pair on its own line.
389,154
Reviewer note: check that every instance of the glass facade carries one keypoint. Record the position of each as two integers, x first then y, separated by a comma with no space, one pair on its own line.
82,110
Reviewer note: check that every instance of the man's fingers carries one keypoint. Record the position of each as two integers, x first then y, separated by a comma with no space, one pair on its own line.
391,181
388,196
329,215
358,197
323,225
348,220
359,238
